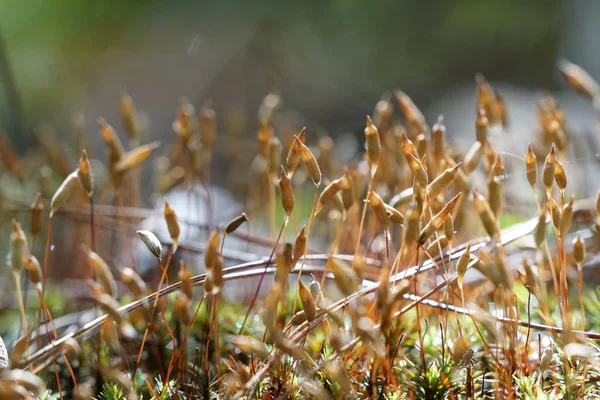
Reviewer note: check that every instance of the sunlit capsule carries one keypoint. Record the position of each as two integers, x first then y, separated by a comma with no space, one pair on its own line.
394,215
495,194
413,115
182,309
134,282
135,157
172,224
379,209
442,181
293,157
486,215
555,212
418,170
64,192
308,302
566,219
546,359
249,345
373,144
102,271
481,126
548,172
34,271
287,193
328,194
309,160
408,148
345,277
438,140
501,105
578,250
19,249
462,265
579,79
358,266
531,167
473,158
346,185
212,250
421,144
449,227
560,176
86,178
115,148
236,223
539,233
438,220
151,242
127,110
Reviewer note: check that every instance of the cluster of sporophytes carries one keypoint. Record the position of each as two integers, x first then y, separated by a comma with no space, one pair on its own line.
378,302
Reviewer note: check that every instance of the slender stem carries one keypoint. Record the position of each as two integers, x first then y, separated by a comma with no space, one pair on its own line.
262,277
362,218
153,310
20,301
46,253
308,226
92,230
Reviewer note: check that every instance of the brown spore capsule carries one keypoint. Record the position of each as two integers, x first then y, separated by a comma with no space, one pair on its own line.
287,193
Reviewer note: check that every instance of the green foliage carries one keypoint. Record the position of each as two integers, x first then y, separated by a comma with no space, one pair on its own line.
111,391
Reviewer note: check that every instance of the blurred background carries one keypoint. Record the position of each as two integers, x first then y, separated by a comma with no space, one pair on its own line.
329,60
